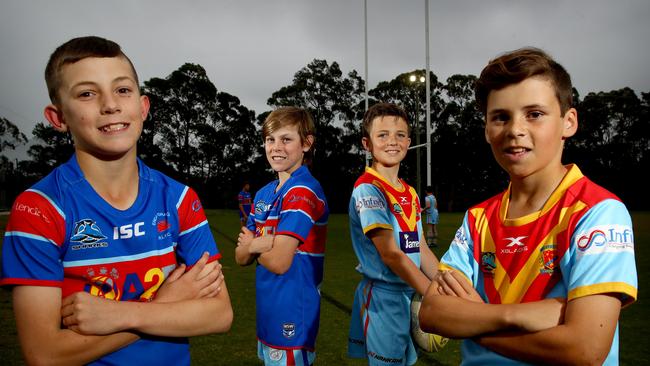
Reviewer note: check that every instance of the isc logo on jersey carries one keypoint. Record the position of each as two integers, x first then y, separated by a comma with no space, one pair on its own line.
128,231
606,238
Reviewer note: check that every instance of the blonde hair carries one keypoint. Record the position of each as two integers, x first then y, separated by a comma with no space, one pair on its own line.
292,116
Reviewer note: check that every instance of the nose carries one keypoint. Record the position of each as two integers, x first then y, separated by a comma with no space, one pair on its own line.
110,104
517,127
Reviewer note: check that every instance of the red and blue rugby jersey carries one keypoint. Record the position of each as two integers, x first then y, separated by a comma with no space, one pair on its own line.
288,305
62,233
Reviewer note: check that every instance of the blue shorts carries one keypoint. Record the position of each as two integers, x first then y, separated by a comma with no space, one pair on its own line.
280,357
432,218
380,328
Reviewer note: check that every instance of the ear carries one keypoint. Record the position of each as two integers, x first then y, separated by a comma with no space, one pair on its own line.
570,121
144,107
366,144
308,143
55,117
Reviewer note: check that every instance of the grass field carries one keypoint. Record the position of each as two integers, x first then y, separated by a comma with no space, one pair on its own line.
238,347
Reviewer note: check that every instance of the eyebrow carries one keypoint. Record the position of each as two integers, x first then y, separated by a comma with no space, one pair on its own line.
116,80
526,107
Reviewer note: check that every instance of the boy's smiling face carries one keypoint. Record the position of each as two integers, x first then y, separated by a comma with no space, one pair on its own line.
100,104
525,128
389,140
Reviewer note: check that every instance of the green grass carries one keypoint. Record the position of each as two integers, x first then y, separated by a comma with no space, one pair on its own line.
238,347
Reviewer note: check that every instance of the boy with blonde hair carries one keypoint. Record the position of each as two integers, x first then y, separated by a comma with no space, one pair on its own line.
539,273
285,235
96,251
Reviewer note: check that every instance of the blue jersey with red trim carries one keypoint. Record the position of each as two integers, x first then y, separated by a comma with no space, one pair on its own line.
245,199
579,244
288,305
62,233
375,203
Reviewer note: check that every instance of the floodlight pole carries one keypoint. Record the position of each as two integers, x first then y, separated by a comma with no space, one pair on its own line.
428,92
365,23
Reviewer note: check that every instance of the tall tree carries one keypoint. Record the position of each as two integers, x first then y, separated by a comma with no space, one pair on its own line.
10,138
334,100
50,148
181,105
205,136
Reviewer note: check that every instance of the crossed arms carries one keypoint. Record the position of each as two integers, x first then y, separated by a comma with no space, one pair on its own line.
552,331
187,304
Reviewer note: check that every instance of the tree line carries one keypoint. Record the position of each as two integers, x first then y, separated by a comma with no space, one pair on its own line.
207,139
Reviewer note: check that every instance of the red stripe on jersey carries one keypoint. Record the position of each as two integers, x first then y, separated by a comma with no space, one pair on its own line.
190,211
34,214
290,359
29,282
301,198
315,242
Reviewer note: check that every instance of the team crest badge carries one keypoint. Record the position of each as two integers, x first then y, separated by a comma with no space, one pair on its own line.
397,208
548,259
288,330
488,263
86,231
275,354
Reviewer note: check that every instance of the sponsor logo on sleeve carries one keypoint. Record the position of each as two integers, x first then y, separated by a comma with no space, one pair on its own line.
35,211
409,241
370,203
460,239
605,239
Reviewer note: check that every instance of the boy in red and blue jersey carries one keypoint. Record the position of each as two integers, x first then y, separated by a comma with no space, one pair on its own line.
285,235
96,251
244,199
537,274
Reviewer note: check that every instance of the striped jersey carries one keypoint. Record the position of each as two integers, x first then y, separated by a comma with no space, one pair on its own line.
61,233
580,243
288,305
375,203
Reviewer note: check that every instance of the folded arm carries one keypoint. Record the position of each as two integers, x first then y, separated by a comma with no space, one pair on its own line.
191,304
397,261
38,321
452,308
585,337
547,331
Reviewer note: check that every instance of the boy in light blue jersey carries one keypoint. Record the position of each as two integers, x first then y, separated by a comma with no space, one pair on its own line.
537,274
387,237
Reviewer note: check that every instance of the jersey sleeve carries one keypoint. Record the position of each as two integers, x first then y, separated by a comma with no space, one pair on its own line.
460,255
301,210
194,236
32,243
372,208
602,254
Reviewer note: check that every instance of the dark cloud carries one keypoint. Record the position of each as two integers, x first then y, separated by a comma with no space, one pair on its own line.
252,48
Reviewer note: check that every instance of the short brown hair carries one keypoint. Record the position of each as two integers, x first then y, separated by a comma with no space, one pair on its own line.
381,110
75,50
516,66
292,116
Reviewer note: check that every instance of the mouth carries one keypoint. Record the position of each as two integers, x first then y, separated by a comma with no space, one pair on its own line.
114,127
393,152
516,150
278,158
